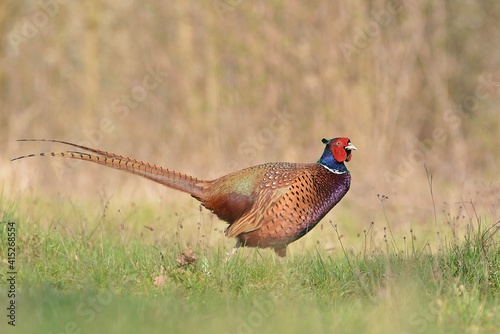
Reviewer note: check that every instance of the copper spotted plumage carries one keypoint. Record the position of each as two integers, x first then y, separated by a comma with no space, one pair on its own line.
267,206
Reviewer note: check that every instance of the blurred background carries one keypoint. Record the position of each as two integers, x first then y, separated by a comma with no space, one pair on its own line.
208,87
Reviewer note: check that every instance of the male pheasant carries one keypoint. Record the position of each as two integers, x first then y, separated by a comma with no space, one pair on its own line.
266,206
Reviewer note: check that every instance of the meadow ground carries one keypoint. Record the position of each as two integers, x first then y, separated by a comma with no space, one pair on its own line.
98,269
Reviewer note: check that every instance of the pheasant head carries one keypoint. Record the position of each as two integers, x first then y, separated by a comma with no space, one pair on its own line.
337,151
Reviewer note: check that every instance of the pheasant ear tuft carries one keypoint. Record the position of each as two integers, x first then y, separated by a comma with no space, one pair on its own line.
324,141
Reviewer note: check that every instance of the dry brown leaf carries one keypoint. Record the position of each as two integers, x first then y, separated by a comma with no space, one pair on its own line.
160,280
187,257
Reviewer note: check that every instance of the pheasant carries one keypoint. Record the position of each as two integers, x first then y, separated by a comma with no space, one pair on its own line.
266,206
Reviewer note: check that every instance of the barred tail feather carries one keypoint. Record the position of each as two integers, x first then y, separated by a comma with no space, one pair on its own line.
169,178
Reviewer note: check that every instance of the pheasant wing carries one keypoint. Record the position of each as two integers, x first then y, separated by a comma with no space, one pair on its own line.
277,182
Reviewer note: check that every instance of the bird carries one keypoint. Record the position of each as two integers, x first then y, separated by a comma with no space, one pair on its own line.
266,206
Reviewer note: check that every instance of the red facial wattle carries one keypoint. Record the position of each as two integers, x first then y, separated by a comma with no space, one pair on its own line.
341,149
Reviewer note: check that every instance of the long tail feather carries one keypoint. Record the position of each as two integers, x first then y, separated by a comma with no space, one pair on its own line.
158,174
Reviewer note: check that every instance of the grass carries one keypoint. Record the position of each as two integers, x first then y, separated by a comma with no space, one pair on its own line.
93,277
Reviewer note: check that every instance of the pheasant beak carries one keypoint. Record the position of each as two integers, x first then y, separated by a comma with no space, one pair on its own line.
349,148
